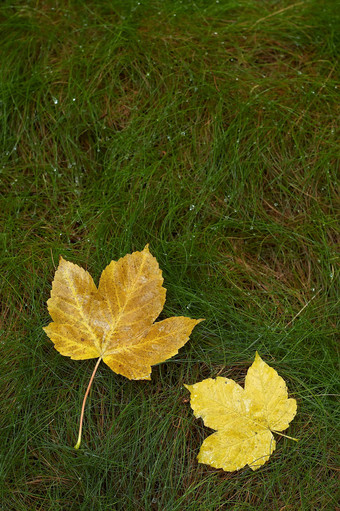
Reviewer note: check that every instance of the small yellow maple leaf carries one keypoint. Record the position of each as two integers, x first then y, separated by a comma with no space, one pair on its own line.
244,419
115,322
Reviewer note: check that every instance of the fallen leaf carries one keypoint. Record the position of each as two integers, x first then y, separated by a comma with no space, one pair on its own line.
244,419
115,322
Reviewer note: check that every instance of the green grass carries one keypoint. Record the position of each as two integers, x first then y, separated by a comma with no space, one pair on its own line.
207,129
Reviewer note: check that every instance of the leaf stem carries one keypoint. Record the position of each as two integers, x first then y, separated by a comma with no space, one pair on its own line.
84,401
286,436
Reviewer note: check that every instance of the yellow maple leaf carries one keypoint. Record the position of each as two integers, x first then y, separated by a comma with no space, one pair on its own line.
244,419
115,322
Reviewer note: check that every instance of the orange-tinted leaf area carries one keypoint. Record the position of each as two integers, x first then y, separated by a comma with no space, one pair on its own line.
116,321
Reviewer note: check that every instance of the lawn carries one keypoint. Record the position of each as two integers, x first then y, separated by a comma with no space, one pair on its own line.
207,129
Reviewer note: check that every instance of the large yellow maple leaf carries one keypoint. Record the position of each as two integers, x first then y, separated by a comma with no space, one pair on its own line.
115,322
244,418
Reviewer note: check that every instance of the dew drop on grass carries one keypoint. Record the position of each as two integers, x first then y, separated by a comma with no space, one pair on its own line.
55,101
192,206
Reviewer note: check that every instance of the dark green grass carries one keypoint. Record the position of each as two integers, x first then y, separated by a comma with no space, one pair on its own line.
209,130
